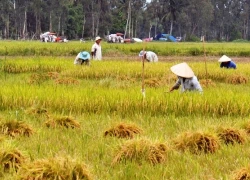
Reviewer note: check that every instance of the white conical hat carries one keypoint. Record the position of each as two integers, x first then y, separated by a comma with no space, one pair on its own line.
224,58
182,70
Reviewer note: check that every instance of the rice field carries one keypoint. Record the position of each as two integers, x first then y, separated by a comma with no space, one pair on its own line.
61,121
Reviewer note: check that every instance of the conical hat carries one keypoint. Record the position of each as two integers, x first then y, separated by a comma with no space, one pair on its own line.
224,58
182,70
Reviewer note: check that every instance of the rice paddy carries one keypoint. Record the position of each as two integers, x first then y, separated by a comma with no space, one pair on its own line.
58,120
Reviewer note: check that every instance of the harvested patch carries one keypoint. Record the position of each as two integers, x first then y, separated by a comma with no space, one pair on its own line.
123,130
207,83
14,128
141,150
242,174
231,136
197,142
54,168
38,78
64,121
11,159
53,75
153,82
67,81
237,79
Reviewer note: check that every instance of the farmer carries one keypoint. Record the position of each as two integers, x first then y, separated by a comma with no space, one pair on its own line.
227,62
96,50
149,56
186,78
82,58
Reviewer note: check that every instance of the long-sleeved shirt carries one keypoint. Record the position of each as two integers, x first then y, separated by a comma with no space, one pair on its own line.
97,49
188,84
229,64
151,56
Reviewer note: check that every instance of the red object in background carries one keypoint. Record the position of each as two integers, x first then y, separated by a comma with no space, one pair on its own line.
119,34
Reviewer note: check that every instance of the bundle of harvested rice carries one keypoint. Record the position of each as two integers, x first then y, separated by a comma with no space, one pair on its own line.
231,136
64,121
14,128
153,82
207,83
54,168
36,110
237,79
197,142
123,130
11,158
66,81
140,151
242,174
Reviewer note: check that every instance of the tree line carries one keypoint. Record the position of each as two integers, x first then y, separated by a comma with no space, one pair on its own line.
218,20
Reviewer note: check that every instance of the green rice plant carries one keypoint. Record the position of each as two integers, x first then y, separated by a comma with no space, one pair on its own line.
140,150
15,128
231,135
54,168
242,174
62,121
197,142
11,158
123,130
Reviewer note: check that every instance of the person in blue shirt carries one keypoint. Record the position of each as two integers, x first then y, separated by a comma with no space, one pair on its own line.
82,58
186,78
226,62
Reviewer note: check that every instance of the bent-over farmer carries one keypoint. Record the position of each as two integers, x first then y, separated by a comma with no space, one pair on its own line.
186,78
150,56
227,62
96,50
82,58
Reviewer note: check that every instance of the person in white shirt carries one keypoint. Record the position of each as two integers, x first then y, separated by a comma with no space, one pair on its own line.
186,78
82,58
96,50
149,56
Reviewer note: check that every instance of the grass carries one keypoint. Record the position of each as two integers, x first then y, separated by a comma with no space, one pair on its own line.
108,93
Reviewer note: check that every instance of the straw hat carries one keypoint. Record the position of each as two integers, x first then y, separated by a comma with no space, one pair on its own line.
98,38
142,53
182,70
224,58
84,55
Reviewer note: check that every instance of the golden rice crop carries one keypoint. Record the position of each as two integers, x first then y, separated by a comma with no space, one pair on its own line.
141,150
231,136
242,174
197,142
123,130
57,168
14,128
63,121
